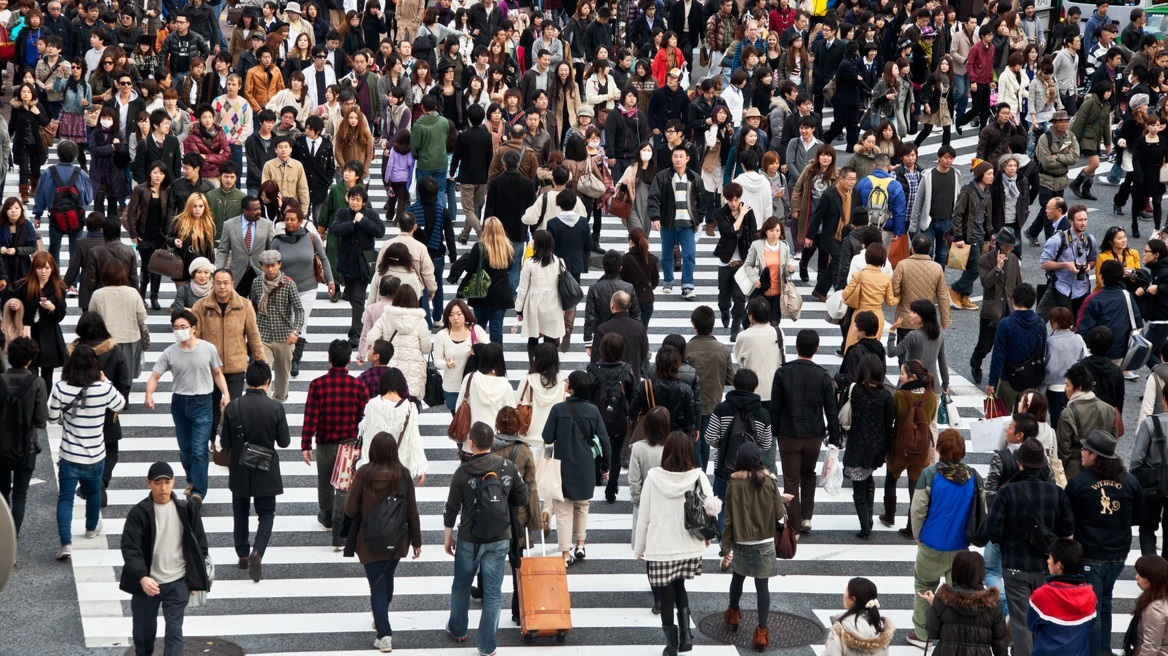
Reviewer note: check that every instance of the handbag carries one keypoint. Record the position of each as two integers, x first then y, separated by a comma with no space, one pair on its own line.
524,409
346,465
434,394
569,288
92,115
845,411
636,434
620,205
590,185
317,264
785,540
548,481
898,249
790,300
478,283
253,455
1138,346
837,309
167,263
49,133
975,521
460,425
1147,475
221,457
698,520
958,257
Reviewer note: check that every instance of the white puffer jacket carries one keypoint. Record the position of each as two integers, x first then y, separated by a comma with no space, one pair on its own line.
406,329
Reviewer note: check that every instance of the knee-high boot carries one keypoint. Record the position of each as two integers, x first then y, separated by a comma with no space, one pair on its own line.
907,530
1077,185
863,509
297,351
670,641
684,631
889,516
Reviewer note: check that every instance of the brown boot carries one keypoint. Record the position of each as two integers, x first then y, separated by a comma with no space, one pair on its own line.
35,183
731,618
24,194
889,516
762,638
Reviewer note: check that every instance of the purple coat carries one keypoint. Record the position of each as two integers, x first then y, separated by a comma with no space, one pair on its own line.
105,174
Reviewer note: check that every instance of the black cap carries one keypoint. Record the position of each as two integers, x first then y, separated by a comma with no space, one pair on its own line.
160,470
749,456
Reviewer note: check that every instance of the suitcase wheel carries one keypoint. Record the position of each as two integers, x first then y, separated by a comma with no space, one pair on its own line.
561,636
529,637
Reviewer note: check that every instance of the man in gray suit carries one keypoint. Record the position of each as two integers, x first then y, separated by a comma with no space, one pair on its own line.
244,238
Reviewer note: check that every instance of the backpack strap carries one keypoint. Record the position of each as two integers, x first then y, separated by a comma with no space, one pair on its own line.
75,177
56,178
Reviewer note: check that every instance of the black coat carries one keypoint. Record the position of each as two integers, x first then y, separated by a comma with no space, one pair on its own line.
632,331
827,62
872,419
663,207
356,238
573,447
320,170
825,218
931,94
802,395
149,151
138,544
498,294
45,326
697,22
257,419
573,243
728,239
257,155
624,135
965,622
105,252
508,197
472,155
676,396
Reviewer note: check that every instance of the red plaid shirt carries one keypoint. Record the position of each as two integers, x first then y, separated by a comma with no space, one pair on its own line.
371,379
335,406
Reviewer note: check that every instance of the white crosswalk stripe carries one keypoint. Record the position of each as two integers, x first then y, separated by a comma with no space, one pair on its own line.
314,602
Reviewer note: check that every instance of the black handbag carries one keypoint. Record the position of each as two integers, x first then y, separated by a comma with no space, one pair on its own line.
1146,474
434,395
569,288
697,522
253,455
975,522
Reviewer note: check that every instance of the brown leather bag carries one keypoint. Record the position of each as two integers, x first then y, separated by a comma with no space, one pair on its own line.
460,426
785,541
167,263
221,457
524,409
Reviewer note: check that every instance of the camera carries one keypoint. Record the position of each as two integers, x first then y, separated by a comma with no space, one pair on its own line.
1082,272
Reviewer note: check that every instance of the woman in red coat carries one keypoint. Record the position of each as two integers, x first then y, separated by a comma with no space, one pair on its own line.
668,58
207,139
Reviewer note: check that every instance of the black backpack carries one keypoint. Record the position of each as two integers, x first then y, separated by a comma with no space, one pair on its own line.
609,398
741,431
17,439
66,212
491,513
386,526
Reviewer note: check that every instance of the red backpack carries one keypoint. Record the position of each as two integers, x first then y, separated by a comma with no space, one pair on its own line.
66,212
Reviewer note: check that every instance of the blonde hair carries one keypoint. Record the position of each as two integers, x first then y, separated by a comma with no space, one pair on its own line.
500,252
198,232
12,318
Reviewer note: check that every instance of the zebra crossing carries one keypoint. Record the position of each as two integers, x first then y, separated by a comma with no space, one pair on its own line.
313,601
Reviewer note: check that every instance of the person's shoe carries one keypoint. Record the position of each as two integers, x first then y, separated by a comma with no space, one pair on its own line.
1077,185
187,491
670,641
579,553
463,239
610,498
731,618
957,128
243,562
684,630
566,343
65,552
89,535
954,300
154,304
338,548
1135,232
254,567
384,645
1130,375
334,296
913,640
819,296
975,373
804,276
569,560
887,520
71,292
667,289
806,526
1087,190
454,637
967,304
1118,209
689,295
656,607
725,318
1034,242
864,535
597,249
325,519
906,532
762,638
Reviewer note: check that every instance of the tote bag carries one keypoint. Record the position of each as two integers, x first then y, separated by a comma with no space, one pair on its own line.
547,477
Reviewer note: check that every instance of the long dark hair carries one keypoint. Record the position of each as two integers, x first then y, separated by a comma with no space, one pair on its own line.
870,372
543,247
491,360
655,425
917,369
82,368
928,314
677,456
383,457
545,361
864,591
1154,569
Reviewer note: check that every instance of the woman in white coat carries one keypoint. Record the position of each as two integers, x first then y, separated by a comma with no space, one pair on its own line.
673,554
542,388
1013,82
486,389
392,413
769,255
538,301
404,325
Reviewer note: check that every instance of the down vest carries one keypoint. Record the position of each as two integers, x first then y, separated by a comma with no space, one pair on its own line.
966,622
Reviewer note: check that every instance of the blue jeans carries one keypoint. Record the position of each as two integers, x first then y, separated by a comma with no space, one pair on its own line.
55,237
237,158
516,266
669,238
937,231
434,306
1102,574
68,475
439,176
451,399
720,485
492,322
960,93
173,597
192,427
469,558
380,575
993,575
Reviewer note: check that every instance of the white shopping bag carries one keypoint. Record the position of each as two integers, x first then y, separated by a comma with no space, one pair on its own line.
831,477
986,433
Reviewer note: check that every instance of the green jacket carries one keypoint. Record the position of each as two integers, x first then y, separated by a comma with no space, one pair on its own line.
428,141
1092,124
749,513
224,205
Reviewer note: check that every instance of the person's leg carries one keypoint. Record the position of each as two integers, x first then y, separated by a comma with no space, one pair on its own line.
241,513
863,510
470,211
668,601
491,564
182,432
55,237
617,443
964,284
960,93
516,265
808,457
1102,574
926,576
200,418
281,365
563,512
144,611
377,575
725,283
762,594
580,522
736,581
985,344
326,459
355,290
993,573
1018,589
789,457
688,257
668,241
175,597
17,496
68,474
646,313
265,507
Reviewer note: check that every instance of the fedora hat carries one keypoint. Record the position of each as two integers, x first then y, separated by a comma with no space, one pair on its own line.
1060,115
1030,454
1100,443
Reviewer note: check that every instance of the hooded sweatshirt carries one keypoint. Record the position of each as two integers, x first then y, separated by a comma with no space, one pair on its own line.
718,431
1060,617
487,395
756,194
660,530
461,498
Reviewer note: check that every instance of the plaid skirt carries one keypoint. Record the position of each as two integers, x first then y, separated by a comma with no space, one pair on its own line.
664,572
73,127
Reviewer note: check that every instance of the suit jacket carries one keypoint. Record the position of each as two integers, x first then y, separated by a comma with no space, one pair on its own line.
825,218
319,169
233,255
827,61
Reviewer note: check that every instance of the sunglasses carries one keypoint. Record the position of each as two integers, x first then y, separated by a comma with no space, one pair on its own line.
321,57
125,83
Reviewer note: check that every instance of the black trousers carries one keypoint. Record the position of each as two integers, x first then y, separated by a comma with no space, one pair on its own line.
265,508
985,341
147,279
730,297
846,118
829,265
355,290
235,384
1040,223
979,106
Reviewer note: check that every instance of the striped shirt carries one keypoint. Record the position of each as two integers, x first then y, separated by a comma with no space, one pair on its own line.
83,440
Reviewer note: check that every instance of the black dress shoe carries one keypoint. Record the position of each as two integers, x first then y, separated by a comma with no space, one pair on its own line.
243,562
725,318
819,297
975,373
476,592
154,304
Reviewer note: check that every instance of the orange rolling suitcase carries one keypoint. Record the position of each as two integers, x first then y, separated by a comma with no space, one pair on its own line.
545,607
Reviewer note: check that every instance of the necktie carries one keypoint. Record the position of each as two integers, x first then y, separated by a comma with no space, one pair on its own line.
313,148
247,237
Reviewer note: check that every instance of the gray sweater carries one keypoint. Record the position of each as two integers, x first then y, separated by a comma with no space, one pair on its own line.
1063,349
296,251
931,352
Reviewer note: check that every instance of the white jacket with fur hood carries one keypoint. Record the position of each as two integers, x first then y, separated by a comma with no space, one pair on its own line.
660,532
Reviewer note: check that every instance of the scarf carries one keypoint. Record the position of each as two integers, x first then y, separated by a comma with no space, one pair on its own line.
395,113
927,46
956,472
1010,186
269,287
629,113
913,385
201,291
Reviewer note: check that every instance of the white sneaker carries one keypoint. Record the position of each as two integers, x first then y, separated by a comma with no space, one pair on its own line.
1130,375
384,644
89,535
667,289
688,294
65,552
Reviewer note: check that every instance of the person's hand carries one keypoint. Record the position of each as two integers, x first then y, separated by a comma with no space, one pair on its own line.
450,364
757,284
3,285
657,226
959,244
973,86
1071,266
332,288
149,403
48,305
927,111
1002,257
357,219
149,586
421,480
417,552
307,455
448,544
1140,291
84,103
790,268
292,338
360,361
1122,143
927,595
588,351
806,243
36,109
989,390
103,378
710,229
117,141
178,243
224,401
897,324
783,169
611,162
1152,289
656,131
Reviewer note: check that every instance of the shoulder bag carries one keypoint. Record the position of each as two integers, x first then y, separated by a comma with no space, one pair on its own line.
700,523
460,424
524,409
569,289
1039,535
478,284
1146,474
636,434
620,205
167,263
345,468
590,437
790,301
434,393
845,411
254,456
1138,346
590,185
317,264
976,520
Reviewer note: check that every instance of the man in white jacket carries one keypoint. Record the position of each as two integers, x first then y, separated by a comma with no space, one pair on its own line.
756,189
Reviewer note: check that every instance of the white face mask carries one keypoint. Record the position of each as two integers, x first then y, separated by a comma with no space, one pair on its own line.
182,335
594,144
107,123
645,157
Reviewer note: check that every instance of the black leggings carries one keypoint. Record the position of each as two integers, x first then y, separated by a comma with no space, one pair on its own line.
762,591
30,163
111,201
46,375
672,595
147,279
532,342
946,135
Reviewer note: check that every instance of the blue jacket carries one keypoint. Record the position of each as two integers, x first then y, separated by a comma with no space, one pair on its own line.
949,503
897,200
1060,616
1108,307
48,189
1015,342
